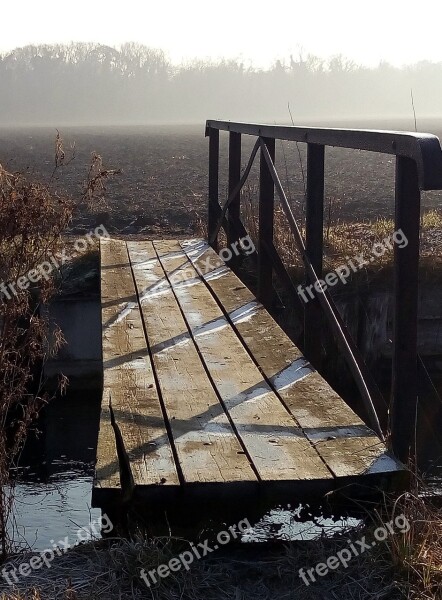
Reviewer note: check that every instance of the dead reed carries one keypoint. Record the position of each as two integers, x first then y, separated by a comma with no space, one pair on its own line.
32,219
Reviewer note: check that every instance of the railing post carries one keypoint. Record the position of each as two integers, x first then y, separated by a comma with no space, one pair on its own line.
406,277
213,208
314,233
266,220
233,214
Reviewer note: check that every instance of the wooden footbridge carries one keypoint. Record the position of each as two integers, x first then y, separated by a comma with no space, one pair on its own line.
206,401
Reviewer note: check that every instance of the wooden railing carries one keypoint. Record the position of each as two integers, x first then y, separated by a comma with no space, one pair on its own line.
418,167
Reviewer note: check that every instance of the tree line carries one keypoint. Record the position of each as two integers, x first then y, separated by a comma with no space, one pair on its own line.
96,84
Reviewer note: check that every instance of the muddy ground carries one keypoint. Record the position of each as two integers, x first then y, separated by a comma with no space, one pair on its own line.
162,188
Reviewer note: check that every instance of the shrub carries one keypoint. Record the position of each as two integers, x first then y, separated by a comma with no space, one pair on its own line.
32,219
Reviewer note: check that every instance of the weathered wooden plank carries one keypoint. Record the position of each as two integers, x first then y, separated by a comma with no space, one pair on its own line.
274,441
207,447
129,382
346,444
107,471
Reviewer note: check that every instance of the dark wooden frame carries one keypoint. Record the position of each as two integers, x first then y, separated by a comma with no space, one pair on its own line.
418,167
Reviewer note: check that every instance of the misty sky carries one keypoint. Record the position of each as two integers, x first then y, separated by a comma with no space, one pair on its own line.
398,31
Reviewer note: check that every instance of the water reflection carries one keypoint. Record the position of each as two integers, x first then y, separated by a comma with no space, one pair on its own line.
298,524
46,513
54,479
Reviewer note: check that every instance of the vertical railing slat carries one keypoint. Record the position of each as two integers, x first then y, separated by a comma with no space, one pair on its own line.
266,222
314,231
233,214
213,208
406,277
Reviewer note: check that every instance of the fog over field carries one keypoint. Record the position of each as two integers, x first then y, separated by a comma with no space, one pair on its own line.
93,84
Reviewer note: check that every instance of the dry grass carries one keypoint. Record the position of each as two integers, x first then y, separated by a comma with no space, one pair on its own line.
32,219
406,565
343,240
255,573
417,556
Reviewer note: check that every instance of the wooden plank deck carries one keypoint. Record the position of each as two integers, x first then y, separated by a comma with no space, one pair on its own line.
206,398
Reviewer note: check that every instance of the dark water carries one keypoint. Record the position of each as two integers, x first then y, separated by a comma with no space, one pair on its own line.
54,482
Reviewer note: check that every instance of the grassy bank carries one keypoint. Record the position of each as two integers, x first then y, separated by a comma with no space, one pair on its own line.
408,564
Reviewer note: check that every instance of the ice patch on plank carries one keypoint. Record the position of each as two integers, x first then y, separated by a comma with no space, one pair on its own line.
149,277
173,254
210,430
187,282
193,242
323,434
211,327
151,294
128,308
260,429
145,264
215,427
299,369
138,363
196,250
384,464
249,396
245,313
158,285
216,273
158,289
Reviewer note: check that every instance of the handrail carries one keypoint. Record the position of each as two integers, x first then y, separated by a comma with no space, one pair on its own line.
423,148
418,167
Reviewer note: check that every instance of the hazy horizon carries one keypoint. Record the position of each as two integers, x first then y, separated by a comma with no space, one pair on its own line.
239,61
94,84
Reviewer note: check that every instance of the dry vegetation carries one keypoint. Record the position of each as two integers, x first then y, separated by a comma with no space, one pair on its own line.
406,565
417,556
32,220
343,240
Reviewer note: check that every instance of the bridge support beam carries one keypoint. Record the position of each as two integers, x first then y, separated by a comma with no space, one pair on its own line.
404,396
